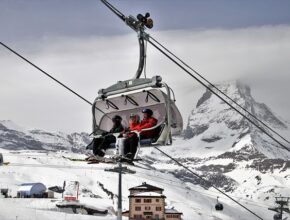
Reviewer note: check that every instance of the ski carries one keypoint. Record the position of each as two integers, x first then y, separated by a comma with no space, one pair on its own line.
5,164
74,159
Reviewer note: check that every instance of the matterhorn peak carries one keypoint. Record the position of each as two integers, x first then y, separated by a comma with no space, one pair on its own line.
215,125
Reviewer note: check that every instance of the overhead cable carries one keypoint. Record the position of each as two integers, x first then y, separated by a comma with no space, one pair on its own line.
219,96
208,182
50,76
214,86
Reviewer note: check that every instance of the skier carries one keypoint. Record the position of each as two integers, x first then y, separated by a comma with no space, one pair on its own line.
131,141
148,121
134,122
100,144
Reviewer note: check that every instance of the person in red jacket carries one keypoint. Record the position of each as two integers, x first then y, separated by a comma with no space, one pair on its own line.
132,139
134,122
148,121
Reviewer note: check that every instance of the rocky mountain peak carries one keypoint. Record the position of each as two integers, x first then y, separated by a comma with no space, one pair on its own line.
212,122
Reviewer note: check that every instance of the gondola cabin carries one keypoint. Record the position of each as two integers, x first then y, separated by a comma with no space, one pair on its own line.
219,206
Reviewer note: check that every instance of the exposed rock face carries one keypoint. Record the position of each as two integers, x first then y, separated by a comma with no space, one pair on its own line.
213,121
204,98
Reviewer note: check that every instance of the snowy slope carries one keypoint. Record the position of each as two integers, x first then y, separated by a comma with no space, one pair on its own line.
193,200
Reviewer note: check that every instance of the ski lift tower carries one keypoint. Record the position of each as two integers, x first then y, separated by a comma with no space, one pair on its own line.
120,170
283,207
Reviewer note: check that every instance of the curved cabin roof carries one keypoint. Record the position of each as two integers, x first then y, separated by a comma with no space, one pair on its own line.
33,188
172,211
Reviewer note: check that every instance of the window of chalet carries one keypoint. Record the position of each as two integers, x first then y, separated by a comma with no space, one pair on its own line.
172,216
147,200
137,208
158,208
138,200
147,208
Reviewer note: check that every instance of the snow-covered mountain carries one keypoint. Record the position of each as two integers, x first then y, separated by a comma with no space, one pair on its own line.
226,149
218,128
217,143
14,137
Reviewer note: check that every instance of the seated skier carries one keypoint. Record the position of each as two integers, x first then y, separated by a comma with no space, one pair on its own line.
131,141
148,121
100,144
131,138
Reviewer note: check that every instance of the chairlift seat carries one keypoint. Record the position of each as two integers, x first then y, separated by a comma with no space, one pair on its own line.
145,141
131,97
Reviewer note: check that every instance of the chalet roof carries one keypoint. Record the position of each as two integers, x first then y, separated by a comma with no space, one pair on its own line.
146,187
172,211
148,195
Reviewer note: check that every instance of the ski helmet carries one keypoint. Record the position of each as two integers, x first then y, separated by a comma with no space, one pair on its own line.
117,118
148,111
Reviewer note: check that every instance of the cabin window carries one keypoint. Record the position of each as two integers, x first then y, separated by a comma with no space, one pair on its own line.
137,208
138,200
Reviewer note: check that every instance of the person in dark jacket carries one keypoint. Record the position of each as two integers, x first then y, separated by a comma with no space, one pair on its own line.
131,142
100,144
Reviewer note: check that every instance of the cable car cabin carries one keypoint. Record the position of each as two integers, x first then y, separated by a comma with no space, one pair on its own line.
132,96
219,207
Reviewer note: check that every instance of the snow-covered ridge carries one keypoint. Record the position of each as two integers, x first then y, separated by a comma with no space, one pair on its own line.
14,137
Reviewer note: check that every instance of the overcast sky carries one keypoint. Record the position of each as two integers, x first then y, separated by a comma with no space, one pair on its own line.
84,45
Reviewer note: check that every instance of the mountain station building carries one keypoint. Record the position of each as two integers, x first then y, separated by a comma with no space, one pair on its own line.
148,202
